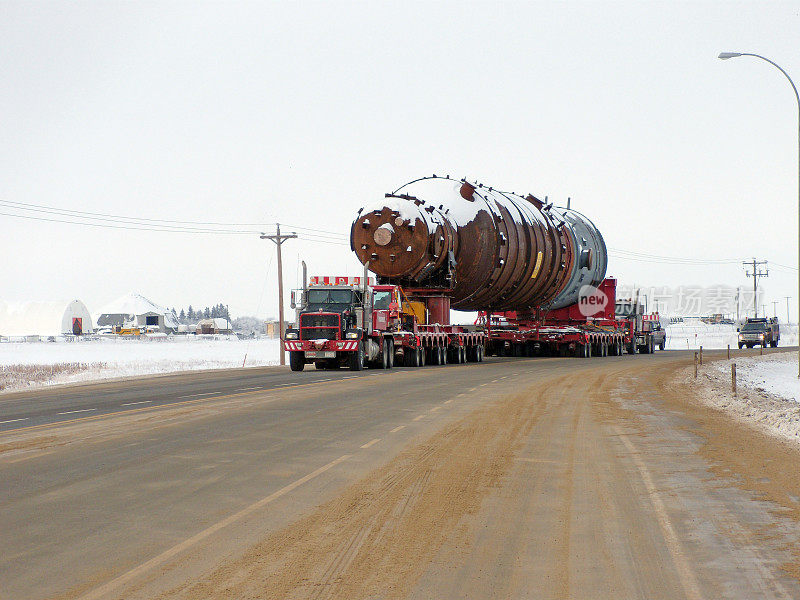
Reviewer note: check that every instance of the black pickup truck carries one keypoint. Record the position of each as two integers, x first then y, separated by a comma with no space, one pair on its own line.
759,332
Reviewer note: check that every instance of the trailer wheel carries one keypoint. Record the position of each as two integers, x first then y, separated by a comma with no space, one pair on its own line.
356,359
384,362
421,352
479,351
296,361
443,354
463,355
390,353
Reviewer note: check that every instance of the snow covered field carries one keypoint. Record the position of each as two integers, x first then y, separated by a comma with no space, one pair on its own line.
42,363
691,334
768,391
775,374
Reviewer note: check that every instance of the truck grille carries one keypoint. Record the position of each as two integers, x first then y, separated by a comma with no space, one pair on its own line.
319,327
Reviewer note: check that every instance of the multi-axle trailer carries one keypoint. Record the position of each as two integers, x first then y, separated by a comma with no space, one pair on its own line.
534,272
342,322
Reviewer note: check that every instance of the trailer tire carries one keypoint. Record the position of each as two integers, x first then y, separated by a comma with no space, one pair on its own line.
296,361
422,357
443,354
384,360
390,354
356,359
741,345
661,345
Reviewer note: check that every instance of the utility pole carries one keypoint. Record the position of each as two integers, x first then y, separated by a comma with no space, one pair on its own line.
775,308
755,275
738,294
279,239
788,320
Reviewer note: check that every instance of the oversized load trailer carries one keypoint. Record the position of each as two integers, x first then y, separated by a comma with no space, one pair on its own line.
534,271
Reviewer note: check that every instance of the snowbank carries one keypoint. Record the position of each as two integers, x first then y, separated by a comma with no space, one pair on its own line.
115,357
768,391
774,374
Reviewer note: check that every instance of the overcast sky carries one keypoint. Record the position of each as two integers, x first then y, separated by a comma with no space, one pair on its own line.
303,112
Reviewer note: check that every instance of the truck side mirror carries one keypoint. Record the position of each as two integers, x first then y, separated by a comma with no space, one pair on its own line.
737,329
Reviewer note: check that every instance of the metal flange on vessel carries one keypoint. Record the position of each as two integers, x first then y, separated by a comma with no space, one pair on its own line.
482,248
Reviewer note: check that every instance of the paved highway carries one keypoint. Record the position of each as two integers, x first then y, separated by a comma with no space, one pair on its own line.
515,478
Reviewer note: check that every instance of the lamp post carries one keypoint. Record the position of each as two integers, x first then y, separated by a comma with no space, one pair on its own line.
726,56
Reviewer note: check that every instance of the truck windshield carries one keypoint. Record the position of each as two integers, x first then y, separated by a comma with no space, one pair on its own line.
325,296
754,327
381,300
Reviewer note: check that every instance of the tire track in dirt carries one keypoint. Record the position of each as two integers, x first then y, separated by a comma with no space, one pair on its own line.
377,537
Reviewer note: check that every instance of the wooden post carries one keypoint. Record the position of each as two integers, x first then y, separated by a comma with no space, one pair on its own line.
695,364
729,351
279,239
761,350
733,378
701,355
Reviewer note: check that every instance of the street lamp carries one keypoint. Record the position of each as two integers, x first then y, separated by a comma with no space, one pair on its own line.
726,56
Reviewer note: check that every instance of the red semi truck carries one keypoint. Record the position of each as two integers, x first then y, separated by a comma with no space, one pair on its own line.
353,322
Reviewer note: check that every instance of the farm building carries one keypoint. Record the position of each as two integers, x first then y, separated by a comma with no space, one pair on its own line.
217,325
44,319
134,310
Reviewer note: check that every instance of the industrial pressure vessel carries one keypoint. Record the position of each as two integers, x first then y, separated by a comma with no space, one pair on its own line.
486,249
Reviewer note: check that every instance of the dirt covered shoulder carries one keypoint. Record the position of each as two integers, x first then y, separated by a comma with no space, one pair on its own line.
751,438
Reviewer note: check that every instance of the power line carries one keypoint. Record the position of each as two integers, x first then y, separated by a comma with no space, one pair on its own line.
132,226
185,224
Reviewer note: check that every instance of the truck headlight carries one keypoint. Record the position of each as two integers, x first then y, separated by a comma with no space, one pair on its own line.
761,336
351,335
291,335
741,337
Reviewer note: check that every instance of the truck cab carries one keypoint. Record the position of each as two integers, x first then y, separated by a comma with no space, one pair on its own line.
330,324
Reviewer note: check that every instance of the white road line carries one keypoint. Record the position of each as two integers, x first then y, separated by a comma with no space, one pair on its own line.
105,589
135,403
13,420
285,384
682,562
398,428
69,412
418,418
350,377
248,389
448,401
371,443
435,408
196,395
318,380
472,389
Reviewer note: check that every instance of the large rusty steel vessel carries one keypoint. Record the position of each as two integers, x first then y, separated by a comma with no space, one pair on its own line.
479,248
